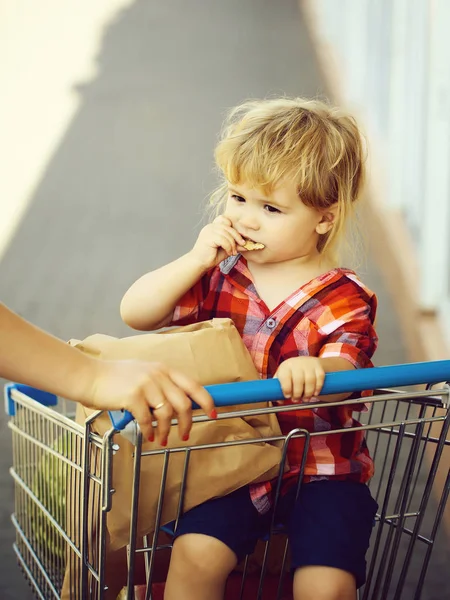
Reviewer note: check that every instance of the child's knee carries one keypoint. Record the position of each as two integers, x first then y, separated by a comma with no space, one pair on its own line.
202,556
323,583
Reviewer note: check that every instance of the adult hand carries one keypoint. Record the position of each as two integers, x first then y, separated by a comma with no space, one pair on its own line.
139,386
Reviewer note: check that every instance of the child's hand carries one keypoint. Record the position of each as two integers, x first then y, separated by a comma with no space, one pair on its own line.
217,241
301,378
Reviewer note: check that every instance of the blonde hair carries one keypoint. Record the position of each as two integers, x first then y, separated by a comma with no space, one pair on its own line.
264,142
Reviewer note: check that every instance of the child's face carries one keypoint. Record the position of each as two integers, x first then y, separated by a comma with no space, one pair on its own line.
288,229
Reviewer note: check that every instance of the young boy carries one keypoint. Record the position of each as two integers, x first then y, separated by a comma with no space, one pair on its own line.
292,171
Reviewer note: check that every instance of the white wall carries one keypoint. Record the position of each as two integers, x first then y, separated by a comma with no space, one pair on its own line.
394,63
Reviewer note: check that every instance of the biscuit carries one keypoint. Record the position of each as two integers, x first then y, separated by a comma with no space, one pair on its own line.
249,245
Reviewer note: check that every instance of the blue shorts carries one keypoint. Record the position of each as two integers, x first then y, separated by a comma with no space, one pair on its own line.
329,525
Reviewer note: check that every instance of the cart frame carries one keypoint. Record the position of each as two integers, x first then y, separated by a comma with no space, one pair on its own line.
407,434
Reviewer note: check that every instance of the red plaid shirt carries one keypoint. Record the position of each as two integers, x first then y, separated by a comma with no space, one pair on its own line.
330,316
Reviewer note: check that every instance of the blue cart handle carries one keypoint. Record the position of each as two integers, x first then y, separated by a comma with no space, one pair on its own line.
269,390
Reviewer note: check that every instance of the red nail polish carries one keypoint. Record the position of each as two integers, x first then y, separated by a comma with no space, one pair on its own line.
151,438
164,443
185,437
213,414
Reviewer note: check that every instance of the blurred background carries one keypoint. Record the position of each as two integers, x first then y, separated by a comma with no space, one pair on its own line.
110,113
388,61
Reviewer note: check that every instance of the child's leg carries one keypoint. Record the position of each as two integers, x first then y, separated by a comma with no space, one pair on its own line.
199,568
323,583
329,532
210,540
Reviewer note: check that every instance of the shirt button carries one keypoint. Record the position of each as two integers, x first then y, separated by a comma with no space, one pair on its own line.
271,323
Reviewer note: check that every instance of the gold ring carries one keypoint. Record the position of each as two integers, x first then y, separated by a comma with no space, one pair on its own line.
160,405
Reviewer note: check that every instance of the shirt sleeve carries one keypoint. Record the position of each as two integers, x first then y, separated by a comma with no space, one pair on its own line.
352,333
189,308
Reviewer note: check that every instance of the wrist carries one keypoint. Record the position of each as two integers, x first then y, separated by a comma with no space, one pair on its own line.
197,264
332,364
83,380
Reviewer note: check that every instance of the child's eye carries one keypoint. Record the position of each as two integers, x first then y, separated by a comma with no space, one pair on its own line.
237,198
271,209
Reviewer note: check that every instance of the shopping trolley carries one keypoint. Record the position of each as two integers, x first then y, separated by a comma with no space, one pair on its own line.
62,473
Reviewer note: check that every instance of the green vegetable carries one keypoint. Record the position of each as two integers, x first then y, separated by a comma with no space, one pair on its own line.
49,485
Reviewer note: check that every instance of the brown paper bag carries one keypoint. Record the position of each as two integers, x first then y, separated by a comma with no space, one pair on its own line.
210,352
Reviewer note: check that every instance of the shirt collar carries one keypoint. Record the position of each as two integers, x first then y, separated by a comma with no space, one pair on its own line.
235,269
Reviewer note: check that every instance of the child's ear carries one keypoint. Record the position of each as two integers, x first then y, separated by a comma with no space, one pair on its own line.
327,221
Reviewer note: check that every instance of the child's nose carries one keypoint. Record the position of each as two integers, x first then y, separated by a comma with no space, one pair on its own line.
249,221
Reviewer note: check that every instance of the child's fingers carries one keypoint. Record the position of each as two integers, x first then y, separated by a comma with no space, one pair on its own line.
285,379
233,235
222,220
236,235
222,240
225,222
320,380
310,385
298,385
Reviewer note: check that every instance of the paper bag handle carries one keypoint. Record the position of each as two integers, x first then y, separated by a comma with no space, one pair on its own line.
269,390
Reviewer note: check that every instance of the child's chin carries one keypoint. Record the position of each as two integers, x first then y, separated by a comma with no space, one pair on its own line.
253,255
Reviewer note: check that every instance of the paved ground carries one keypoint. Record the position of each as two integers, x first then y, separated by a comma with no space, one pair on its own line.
123,192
